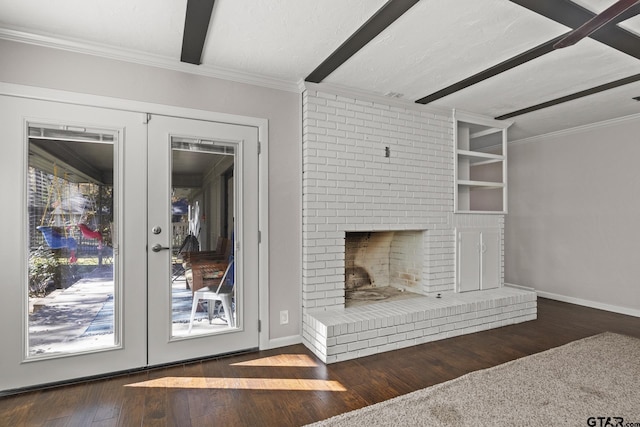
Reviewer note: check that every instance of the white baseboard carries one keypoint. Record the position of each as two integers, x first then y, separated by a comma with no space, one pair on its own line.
591,304
283,342
526,288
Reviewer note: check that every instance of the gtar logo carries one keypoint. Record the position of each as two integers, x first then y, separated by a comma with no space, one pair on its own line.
605,421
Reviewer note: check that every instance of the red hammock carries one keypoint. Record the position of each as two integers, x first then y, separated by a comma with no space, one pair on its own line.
91,234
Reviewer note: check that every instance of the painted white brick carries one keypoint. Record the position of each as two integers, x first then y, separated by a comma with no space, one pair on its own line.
349,185
378,341
354,346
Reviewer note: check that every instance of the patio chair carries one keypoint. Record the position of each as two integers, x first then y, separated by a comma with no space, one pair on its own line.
223,292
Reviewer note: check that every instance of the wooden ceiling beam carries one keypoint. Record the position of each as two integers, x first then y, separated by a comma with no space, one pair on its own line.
196,25
510,63
384,17
568,13
581,94
564,12
597,22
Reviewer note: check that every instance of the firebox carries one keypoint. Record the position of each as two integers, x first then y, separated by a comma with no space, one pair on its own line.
382,264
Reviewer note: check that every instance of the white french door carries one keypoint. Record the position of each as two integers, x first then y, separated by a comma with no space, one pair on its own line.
54,281
189,162
84,190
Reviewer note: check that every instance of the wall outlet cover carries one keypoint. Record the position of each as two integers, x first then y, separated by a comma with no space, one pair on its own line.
284,317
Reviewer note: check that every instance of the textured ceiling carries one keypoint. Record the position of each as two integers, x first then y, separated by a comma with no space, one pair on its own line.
435,44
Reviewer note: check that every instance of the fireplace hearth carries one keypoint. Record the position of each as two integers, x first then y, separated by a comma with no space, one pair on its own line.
360,297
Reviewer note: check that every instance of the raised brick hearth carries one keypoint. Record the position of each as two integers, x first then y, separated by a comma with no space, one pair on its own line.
337,335
372,167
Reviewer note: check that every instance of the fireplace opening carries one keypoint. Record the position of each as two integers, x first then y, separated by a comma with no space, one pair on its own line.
382,265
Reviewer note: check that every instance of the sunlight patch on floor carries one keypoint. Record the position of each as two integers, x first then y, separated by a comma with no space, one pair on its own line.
287,360
292,384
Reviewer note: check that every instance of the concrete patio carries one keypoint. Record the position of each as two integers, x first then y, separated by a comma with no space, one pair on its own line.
80,317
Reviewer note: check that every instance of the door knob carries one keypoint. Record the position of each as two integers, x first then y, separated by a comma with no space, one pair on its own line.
158,247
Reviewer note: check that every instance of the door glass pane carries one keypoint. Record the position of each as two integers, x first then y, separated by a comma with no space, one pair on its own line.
71,263
202,277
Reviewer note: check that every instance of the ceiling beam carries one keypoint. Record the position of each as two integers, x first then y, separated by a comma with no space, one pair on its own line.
196,25
573,16
581,94
510,63
384,17
567,13
595,23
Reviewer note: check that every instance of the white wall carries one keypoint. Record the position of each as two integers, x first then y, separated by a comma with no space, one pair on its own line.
56,69
573,228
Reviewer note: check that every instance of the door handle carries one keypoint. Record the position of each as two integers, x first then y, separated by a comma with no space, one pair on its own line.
158,247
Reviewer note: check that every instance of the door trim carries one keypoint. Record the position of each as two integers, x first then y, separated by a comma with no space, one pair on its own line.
45,94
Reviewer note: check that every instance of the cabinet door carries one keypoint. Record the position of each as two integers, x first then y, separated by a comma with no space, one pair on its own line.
468,261
491,255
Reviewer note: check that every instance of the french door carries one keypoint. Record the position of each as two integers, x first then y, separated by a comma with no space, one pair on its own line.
88,193
189,161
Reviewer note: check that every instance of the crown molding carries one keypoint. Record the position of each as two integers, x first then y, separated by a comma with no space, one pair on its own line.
143,58
577,129
467,116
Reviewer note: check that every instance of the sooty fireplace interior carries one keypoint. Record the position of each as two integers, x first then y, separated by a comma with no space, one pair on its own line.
382,265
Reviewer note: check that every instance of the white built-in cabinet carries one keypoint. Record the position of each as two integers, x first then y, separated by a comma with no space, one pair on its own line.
478,259
480,164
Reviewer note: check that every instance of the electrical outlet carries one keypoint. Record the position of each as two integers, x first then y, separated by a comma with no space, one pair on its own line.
284,317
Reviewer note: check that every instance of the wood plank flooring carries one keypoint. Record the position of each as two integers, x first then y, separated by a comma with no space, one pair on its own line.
289,386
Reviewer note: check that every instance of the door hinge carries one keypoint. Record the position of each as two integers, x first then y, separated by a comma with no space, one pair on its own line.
259,236
259,325
259,147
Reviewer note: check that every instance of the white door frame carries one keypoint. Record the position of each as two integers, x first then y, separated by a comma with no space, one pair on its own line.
32,92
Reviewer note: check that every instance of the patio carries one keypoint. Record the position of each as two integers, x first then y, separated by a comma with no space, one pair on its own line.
80,317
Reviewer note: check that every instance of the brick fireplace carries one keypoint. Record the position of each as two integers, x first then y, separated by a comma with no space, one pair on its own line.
384,173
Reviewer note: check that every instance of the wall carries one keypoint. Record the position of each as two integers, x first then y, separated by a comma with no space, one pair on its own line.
56,69
406,255
369,252
573,228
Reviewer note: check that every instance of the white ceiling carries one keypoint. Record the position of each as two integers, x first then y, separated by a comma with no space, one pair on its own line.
435,44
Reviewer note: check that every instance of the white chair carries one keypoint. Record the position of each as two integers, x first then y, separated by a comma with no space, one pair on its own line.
221,293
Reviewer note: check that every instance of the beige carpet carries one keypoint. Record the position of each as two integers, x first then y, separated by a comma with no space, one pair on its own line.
594,377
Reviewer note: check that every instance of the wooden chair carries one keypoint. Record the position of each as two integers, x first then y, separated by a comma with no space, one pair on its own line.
205,272
205,265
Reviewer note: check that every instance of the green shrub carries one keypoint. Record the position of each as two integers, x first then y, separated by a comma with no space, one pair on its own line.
42,271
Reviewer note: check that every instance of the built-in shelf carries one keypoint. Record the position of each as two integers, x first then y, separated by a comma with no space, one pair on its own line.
479,158
480,164
481,184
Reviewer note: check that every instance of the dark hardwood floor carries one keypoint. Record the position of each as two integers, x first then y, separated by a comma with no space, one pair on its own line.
289,386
